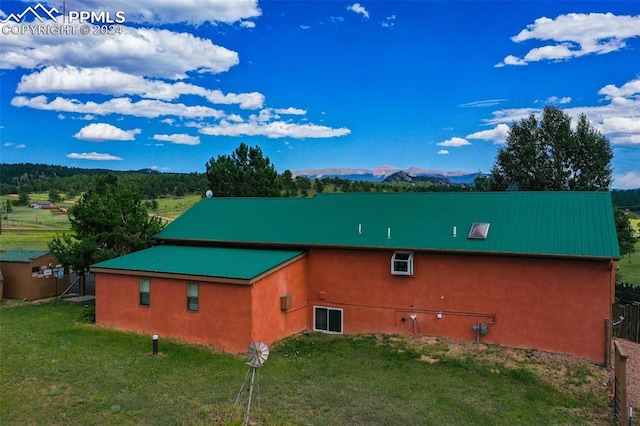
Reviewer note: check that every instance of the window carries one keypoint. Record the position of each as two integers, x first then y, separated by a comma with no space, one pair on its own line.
328,320
402,263
144,292
479,231
192,297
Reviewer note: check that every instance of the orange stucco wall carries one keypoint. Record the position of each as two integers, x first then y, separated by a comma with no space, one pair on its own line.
222,321
229,317
270,323
545,304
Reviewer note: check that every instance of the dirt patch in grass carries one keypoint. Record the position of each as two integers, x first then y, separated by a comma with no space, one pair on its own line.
563,372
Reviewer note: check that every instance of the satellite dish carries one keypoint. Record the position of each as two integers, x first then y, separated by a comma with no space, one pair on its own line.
209,193
257,354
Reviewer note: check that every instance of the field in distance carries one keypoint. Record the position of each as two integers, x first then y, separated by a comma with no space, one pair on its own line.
31,229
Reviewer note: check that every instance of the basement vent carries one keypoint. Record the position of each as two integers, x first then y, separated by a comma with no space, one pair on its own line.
479,231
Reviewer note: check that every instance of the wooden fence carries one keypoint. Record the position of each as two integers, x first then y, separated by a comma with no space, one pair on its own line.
620,386
626,313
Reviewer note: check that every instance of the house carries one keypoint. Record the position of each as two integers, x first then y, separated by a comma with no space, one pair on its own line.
32,274
43,205
522,269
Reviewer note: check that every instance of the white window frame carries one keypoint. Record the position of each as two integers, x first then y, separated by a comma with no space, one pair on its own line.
328,308
408,261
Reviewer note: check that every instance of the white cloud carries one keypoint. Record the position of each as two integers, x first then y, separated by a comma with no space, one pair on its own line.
92,156
617,117
7,144
305,27
483,104
123,106
630,89
21,146
168,121
628,180
511,60
187,11
179,138
454,142
290,111
247,24
574,35
558,101
273,130
234,117
108,81
359,9
498,134
98,132
510,115
443,152
137,51
389,21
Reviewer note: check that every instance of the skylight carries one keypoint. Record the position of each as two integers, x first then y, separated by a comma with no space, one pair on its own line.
479,231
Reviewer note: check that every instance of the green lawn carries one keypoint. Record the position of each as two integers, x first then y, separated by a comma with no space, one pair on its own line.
629,267
55,369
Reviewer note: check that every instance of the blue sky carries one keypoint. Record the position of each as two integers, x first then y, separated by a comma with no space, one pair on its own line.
315,84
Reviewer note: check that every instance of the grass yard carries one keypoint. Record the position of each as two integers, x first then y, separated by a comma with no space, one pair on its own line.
56,369
174,207
629,267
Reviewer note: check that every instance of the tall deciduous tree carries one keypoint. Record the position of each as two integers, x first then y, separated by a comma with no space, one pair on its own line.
244,173
548,155
108,221
626,240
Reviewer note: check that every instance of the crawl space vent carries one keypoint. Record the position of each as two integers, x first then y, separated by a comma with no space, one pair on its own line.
479,231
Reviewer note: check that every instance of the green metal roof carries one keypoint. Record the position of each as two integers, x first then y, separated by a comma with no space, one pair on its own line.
24,256
232,263
577,224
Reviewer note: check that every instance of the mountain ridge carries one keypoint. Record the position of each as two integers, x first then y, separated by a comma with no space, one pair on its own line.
380,173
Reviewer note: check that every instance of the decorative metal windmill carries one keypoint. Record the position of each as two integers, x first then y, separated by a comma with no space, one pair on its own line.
257,354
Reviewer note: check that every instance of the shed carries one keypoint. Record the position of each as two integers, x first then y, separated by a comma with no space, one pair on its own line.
32,274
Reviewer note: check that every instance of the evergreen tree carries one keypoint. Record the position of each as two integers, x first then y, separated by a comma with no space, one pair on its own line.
108,221
244,173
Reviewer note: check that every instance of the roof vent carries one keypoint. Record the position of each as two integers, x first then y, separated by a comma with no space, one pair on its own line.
479,231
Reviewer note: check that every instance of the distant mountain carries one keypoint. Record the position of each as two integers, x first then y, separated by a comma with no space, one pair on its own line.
402,176
380,173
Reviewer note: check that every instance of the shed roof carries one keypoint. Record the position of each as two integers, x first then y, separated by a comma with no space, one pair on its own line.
22,256
214,262
575,224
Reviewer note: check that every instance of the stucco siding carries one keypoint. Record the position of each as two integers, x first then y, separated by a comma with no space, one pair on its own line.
270,323
546,304
223,319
